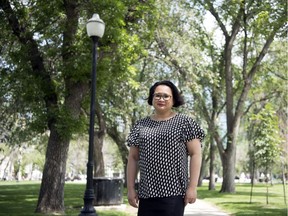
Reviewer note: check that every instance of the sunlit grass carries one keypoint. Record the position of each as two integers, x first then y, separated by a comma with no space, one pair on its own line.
20,199
239,203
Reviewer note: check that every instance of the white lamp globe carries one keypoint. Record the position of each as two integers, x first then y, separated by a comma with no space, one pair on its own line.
95,26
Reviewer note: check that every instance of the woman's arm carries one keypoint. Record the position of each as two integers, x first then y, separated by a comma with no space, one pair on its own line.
194,150
132,168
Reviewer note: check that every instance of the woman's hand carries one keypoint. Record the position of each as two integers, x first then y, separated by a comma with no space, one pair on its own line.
133,198
190,196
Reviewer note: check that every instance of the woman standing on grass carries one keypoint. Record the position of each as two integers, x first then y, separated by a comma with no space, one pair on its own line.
160,144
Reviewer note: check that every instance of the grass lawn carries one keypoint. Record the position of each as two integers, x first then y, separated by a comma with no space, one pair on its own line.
239,203
20,199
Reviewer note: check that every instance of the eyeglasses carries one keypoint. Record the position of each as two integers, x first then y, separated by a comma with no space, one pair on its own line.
165,97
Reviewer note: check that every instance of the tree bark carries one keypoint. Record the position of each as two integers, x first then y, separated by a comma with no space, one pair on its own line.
228,164
203,169
99,169
211,167
51,196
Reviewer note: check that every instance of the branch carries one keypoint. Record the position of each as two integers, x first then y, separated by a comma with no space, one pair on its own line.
172,60
120,141
216,15
263,99
245,52
219,142
283,77
254,69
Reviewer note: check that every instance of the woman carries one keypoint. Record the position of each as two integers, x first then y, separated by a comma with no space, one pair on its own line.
160,144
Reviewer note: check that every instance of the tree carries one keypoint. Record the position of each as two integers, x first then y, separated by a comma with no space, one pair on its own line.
266,141
48,61
220,75
31,38
247,17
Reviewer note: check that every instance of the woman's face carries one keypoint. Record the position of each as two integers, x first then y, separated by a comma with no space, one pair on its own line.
162,99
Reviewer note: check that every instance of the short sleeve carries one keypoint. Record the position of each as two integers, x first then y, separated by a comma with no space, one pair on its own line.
191,130
133,137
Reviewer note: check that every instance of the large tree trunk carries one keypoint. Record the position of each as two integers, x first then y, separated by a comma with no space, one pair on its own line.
51,196
228,164
99,169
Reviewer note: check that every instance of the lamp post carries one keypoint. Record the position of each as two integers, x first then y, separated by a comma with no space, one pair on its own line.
95,29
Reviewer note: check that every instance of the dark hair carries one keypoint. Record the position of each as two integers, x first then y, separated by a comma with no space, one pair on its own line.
177,97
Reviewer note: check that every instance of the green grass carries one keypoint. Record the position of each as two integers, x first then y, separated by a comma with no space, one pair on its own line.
20,199
239,203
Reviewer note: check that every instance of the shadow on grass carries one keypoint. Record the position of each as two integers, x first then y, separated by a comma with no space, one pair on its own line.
18,199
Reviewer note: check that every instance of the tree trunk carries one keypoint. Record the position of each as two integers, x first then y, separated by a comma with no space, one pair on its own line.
51,196
205,159
120,140
228,164
202,171
99,169
211,167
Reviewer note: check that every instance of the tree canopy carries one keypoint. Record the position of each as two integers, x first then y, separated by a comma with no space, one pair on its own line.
226,57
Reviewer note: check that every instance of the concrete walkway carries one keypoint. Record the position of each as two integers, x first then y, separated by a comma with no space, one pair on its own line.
199,208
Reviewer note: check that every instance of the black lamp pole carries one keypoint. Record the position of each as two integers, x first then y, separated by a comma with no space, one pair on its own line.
88,209
95,29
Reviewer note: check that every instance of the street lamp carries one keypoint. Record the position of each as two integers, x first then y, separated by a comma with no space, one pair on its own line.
95,29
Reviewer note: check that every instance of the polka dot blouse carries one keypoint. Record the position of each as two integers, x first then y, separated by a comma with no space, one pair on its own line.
163,155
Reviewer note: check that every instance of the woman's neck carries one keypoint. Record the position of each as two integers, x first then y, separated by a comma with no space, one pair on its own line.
163,115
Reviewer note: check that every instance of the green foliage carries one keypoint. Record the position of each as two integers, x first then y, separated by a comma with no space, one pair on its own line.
144,41
266,137
122,45
67,125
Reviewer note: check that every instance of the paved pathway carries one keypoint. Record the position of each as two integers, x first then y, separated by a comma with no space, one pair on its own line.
199,208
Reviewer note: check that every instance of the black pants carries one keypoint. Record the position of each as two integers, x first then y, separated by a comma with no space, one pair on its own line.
164,206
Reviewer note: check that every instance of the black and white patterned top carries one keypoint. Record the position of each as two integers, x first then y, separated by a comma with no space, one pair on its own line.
163,155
